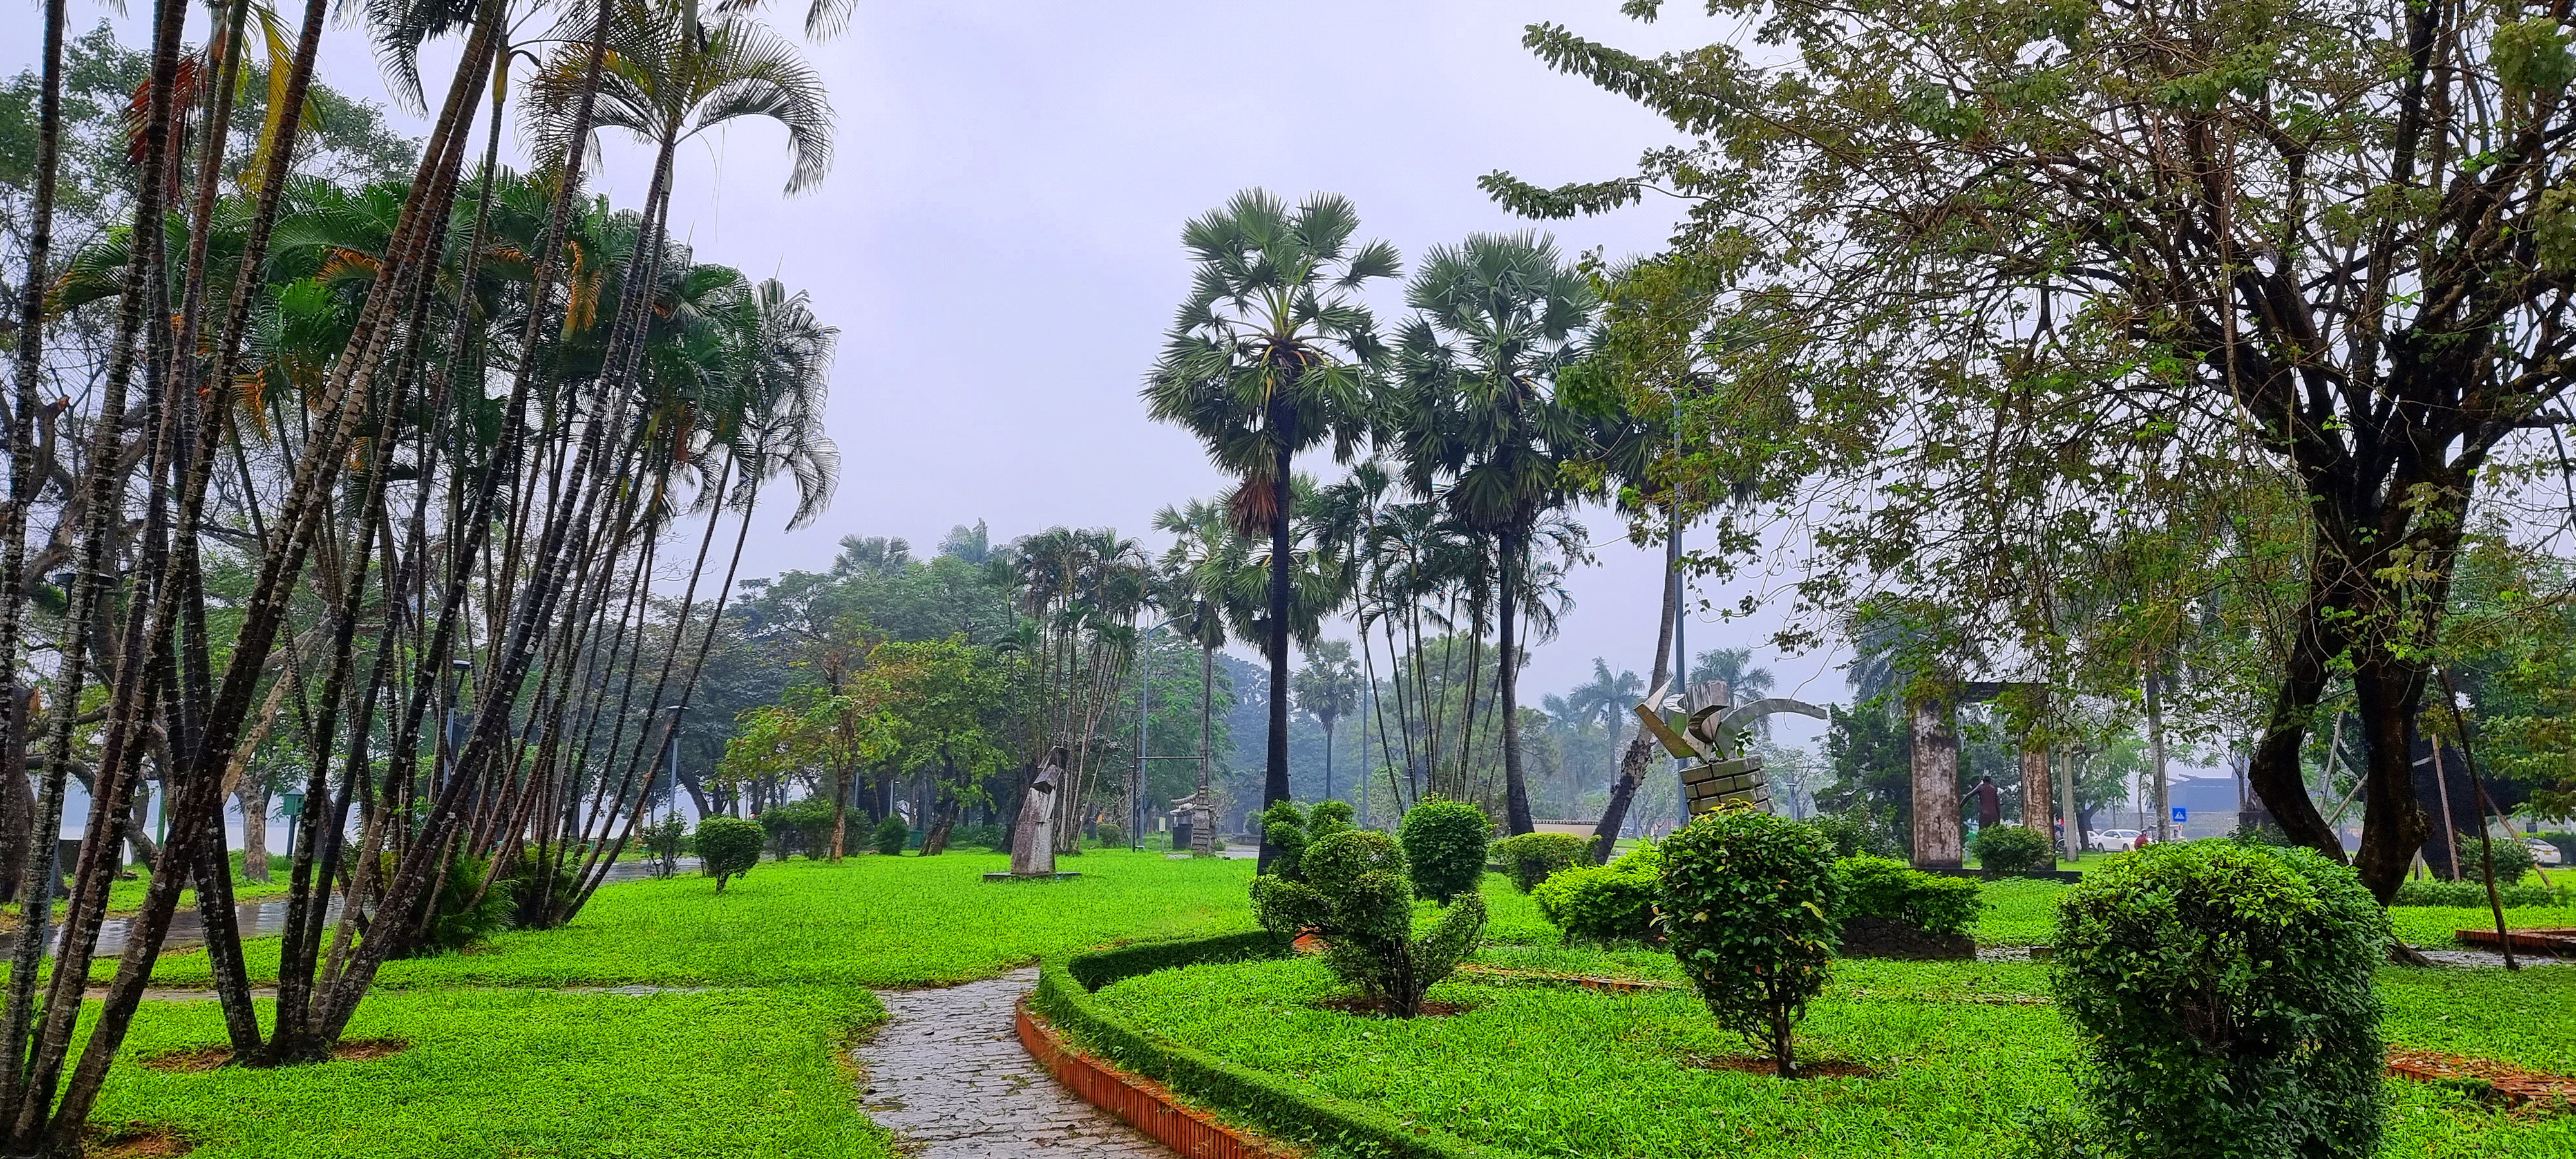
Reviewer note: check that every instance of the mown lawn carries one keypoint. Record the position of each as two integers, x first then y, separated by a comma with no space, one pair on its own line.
716,1075
869,921
503,1066
1960,1051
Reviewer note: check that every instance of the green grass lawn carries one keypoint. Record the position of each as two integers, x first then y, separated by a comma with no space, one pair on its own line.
1960,1050
504,1068
869,921
717,1075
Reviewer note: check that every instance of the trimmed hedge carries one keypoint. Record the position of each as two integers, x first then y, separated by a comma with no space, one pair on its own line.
1279,1106
1531,858
1608,905
1883,887
2004,850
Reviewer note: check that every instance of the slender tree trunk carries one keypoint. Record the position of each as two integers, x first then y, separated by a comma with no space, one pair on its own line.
1641,748
1274,777
1516,802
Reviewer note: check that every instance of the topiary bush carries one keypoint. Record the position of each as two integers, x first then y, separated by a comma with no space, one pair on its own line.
727,848
1606,905
1112,834
891,835
1357,897
1531,858
1749,900
2004,850
1283,826
2223,996
1445,843
1326,819
1883,887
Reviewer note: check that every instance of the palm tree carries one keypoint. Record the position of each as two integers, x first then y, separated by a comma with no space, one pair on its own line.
1328,688
1481,424
1273,354
1193,583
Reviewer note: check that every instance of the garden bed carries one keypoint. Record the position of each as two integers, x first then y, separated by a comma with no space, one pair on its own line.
1956,1053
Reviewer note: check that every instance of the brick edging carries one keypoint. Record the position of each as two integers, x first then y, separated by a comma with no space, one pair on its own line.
1139,1102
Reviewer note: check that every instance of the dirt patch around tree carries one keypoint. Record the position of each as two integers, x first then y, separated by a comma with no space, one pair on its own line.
1366,1006
204,1058
135,1141
1823,1068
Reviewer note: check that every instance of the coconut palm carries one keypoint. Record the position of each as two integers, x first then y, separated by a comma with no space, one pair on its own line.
1481,425
1192,583
1273,354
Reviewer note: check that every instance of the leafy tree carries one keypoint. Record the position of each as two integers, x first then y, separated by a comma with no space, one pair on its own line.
2222,357
1271,355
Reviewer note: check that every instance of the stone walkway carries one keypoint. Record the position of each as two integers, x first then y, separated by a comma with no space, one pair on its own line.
947,1075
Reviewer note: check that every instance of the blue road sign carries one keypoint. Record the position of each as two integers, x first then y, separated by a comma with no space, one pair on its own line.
2179,814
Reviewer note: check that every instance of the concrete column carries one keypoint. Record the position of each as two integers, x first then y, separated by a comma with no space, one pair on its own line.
1936,786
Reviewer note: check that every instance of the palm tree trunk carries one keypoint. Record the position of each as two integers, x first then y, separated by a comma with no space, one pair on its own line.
1516,802
1274,777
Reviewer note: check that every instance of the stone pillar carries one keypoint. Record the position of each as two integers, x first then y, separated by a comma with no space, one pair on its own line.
1936,786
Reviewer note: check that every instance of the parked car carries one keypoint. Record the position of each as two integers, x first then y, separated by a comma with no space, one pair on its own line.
2544,853
2112,840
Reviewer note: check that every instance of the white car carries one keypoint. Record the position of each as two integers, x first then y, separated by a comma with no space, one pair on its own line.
2112,840
2544,853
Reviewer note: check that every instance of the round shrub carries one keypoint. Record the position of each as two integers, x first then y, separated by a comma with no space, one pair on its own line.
891,835
1112,834
1748,905
2512,861
803,825
2011,849
1883,887
1856,832
1445,842
1607,905
727,847
2223,995
1531,858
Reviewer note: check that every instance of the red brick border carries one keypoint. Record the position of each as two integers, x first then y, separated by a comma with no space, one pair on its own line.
1140,1102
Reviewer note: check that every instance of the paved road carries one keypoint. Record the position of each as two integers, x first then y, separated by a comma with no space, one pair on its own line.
947,1074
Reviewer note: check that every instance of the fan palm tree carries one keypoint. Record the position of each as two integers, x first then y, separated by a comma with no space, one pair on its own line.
1273,354
1328,688
1480,423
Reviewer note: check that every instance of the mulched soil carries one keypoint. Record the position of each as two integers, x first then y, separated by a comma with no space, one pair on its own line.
1360,1004
135,1141
2524,1091
210,1057
1824,1068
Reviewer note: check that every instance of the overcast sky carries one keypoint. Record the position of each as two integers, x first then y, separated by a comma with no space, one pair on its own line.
998,237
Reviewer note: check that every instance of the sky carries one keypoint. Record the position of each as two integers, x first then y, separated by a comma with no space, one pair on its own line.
998,239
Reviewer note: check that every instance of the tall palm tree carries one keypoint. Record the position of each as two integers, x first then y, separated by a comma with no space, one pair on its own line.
1273,354
1481,424
1328,688
1193,582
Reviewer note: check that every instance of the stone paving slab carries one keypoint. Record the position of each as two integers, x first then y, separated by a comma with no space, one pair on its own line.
947,1074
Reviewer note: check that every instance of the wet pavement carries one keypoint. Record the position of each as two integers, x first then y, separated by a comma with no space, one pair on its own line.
947,1074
